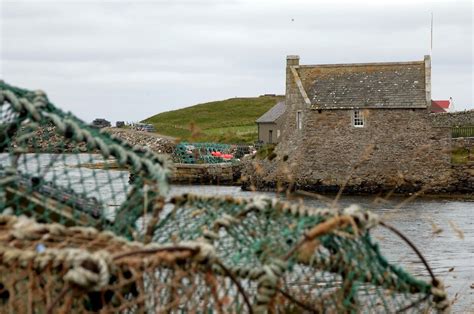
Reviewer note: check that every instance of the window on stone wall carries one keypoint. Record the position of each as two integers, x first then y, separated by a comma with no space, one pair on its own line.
278,133
358,119
299,122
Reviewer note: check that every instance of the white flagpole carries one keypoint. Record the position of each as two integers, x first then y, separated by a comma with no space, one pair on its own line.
431,41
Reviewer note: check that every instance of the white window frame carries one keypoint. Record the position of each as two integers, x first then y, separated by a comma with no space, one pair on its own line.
358,120
278,133
299,120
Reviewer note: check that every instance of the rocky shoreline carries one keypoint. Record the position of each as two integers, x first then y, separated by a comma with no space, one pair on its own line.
271,176
355,191
46,139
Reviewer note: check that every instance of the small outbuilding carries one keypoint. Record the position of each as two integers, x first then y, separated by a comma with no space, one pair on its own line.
270,124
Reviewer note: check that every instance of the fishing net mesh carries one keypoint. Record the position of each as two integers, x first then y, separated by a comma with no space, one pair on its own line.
208,153
77,234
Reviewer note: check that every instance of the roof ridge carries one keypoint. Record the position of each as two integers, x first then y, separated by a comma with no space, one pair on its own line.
341,65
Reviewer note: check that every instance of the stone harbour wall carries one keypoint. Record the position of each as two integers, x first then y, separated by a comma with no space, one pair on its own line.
220,174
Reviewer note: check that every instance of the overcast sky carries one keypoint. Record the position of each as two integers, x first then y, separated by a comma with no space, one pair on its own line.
127,60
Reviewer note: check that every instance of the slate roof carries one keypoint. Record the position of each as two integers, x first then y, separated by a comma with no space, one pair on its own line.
376,85
273,114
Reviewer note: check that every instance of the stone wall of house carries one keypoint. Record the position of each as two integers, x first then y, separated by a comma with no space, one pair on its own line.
397,148
452,119
291,136
264,132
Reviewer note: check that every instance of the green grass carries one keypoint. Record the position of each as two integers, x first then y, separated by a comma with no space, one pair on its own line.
267,151
460,156
225,121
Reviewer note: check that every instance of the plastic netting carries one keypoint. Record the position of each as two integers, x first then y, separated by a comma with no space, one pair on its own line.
51,268
95,242
326,259
208,153
57,168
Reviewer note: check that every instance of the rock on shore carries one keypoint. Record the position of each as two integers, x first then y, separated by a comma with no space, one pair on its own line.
46,139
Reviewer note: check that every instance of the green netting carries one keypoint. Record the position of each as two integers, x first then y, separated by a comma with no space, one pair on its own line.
339,270
56,168
276,256
208,153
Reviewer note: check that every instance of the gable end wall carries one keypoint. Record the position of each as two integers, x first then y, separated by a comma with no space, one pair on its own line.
396,147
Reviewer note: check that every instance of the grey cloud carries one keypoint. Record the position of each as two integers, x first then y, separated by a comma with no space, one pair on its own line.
158,55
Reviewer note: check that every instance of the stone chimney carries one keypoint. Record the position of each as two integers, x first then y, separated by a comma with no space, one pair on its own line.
428,81
291,60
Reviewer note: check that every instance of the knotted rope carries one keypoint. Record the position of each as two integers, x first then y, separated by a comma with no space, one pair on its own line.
440,297
363,218
159,170
90,271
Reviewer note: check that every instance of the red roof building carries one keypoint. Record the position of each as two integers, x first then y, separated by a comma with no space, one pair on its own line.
438,106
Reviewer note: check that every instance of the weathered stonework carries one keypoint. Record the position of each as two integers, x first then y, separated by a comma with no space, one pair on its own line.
462,179
453,119
463,142
399,148
462,175
221,174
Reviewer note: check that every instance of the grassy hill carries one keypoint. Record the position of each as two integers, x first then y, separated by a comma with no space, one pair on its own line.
225,121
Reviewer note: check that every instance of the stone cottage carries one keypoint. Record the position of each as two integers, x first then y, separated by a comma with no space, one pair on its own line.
270,124
363,126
